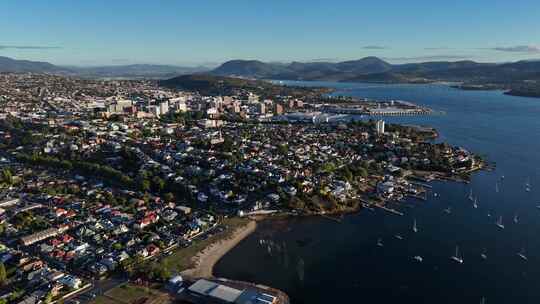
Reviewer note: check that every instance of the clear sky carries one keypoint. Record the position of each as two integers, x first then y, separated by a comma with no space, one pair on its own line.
191,32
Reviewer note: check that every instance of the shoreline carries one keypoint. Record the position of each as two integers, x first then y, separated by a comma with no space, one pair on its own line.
205,260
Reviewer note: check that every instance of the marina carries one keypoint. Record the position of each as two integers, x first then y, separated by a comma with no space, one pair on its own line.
500,193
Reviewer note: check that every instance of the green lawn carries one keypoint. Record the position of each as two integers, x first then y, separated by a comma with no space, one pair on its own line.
127,293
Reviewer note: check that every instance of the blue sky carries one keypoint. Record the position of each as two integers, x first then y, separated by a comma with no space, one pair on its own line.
193,32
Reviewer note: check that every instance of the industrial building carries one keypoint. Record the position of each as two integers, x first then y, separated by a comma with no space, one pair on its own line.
210,292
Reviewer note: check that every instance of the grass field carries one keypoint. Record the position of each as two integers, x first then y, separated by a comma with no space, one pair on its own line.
129,294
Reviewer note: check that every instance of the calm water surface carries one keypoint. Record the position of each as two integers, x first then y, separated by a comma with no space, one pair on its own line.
316,260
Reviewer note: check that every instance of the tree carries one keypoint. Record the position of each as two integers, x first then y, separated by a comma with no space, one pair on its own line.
3,274
169,197
48,298
7,176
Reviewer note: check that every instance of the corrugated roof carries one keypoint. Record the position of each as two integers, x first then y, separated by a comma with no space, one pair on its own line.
225,293
202,287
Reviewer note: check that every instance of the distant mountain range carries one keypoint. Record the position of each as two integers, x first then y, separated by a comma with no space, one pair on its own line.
378,70
521,77
114,71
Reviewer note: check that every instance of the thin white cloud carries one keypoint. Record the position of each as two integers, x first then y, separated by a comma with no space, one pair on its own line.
375,47
518,49
28,47
429,57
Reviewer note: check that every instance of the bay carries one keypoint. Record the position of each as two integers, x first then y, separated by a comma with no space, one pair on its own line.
316,260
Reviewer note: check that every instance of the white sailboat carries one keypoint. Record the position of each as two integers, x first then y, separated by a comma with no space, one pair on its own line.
483,255
456,257
414,228
500,223
522,255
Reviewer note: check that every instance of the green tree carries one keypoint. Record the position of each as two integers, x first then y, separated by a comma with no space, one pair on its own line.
169,197
3,274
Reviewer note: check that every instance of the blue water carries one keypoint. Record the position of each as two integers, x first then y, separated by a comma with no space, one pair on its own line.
316,260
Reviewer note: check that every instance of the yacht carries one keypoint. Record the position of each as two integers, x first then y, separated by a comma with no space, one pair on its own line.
522,255
456,257
418,258
500,223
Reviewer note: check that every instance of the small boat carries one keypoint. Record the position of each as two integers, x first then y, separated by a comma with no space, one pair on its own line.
522,255
475,204
516,219
497,187
471,196
483,255
379,242
528,185
399,237
456,257
500,223
483,300
414,228
489,214
418,258
448,210
435,194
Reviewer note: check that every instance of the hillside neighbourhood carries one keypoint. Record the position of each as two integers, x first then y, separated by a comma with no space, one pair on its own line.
116,179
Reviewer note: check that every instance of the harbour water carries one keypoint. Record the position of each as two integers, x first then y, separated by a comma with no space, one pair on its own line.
317,260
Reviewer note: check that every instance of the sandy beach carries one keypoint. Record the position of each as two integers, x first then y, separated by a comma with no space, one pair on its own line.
205,260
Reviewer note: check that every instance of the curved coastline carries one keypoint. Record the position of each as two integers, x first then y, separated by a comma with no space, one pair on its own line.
205,260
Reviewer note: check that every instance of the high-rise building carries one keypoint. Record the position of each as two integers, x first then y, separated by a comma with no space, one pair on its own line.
380,126
164,107
278,109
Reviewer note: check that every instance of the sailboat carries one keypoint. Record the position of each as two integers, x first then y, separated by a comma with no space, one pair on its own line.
500,223
483,255
475,204
414,228
522,255
456,257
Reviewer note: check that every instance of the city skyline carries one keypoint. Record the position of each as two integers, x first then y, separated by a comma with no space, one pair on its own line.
209,32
